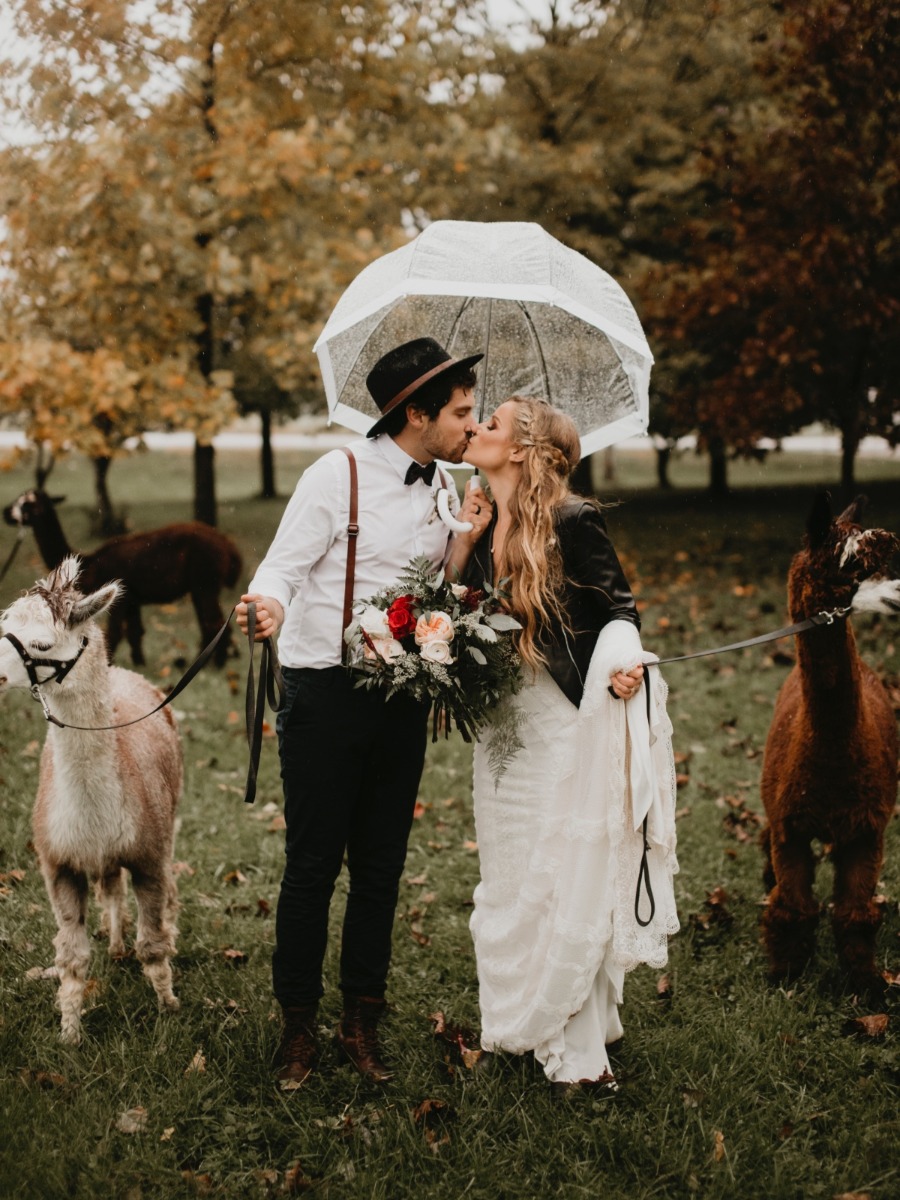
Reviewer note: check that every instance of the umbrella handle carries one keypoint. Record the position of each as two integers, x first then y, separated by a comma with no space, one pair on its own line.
443,507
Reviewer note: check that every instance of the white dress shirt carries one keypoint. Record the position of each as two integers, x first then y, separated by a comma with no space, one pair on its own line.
306,565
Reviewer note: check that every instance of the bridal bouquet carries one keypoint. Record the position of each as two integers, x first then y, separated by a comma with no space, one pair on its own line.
437,641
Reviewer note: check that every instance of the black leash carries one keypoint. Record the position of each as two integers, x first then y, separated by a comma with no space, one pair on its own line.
20,537
270,680
822,618
271,688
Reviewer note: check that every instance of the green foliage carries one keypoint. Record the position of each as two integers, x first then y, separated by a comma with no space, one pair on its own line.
781,303
729,1088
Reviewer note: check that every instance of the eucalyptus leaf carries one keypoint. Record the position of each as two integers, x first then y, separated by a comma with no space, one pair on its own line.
502,621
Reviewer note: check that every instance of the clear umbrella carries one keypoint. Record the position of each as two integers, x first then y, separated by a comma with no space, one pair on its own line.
550,323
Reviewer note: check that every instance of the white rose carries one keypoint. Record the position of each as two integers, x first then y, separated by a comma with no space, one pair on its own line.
388,648
434,627
374,621
458,589
437,652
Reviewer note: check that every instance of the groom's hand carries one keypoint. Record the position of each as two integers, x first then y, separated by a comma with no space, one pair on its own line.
269,615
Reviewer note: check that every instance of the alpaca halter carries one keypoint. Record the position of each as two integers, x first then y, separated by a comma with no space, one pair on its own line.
61,668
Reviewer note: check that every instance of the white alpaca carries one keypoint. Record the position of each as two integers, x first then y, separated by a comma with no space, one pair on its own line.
106,800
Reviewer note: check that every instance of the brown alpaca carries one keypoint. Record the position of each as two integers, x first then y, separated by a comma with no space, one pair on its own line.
830,769
154,567
106,799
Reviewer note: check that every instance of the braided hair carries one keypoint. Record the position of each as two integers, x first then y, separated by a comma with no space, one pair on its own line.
531,556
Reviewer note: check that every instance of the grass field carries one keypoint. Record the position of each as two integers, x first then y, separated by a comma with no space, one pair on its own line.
730,1089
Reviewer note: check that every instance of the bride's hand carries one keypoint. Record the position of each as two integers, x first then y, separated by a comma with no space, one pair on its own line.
625,684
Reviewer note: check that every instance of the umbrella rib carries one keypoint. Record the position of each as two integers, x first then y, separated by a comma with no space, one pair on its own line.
535,340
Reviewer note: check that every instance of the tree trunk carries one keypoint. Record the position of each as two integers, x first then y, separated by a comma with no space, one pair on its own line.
267,458
107,524
205,483
582,478
718,467
663,458
849,446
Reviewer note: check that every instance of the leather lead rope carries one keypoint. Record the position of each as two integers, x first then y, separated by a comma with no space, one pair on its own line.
270,681
271,688
644,869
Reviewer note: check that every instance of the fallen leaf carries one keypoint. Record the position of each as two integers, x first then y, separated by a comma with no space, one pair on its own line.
470,846
235,877
166,1135
295,1181
237,957
263,908
872,1026
418,810
277,824
183,868
197,1065
418,880
691,1097
664,988
853,1196
719,1147
132,1120
43,1079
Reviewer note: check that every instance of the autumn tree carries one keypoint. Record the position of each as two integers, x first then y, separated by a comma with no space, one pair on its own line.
786,294
591,118
205,178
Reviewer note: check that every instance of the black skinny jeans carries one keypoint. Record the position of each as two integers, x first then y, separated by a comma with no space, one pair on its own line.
350,767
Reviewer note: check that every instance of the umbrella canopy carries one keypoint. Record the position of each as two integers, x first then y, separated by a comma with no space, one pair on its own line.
550,324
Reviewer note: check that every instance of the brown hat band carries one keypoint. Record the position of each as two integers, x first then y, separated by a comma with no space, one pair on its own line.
417,383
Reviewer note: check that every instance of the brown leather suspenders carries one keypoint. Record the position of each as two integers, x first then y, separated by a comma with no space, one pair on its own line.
352,535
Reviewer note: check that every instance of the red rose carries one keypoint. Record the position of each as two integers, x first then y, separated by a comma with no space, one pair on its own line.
400,618
472,599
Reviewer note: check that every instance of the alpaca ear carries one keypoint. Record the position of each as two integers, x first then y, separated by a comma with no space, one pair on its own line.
852,514
86,608
818,523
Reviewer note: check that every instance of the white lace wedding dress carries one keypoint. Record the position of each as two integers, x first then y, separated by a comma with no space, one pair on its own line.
560,842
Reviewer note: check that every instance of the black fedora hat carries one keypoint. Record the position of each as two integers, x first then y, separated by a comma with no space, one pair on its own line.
403,371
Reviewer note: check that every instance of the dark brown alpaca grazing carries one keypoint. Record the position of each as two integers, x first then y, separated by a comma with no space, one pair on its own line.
154,567
830,769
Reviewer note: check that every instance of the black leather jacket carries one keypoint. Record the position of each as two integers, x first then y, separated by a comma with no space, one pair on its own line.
595,592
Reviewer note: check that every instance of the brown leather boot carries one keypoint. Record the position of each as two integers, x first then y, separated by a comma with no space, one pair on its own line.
357,1036
298,1055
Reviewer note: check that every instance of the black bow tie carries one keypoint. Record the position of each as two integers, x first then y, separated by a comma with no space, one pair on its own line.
417,471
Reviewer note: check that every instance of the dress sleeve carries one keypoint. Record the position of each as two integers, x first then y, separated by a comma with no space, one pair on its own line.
591,562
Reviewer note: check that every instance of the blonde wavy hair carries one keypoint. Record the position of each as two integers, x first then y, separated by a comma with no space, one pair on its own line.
531,557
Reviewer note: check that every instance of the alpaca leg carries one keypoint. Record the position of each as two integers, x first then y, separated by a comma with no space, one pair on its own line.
210,618
68,891
112,895
790,919
765,839
155,942
135,627
855,917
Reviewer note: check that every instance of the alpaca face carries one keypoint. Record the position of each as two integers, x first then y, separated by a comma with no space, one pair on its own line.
48,620
29,508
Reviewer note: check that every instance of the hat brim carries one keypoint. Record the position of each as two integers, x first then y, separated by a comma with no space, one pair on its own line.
454,364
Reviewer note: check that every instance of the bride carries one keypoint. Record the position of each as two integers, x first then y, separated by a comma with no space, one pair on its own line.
576,837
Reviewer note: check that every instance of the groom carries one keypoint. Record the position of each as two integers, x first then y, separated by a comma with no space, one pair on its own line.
350,760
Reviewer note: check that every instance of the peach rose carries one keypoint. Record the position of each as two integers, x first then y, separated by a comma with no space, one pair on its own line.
433,627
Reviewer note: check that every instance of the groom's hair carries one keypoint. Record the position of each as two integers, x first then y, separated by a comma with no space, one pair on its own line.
430,398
